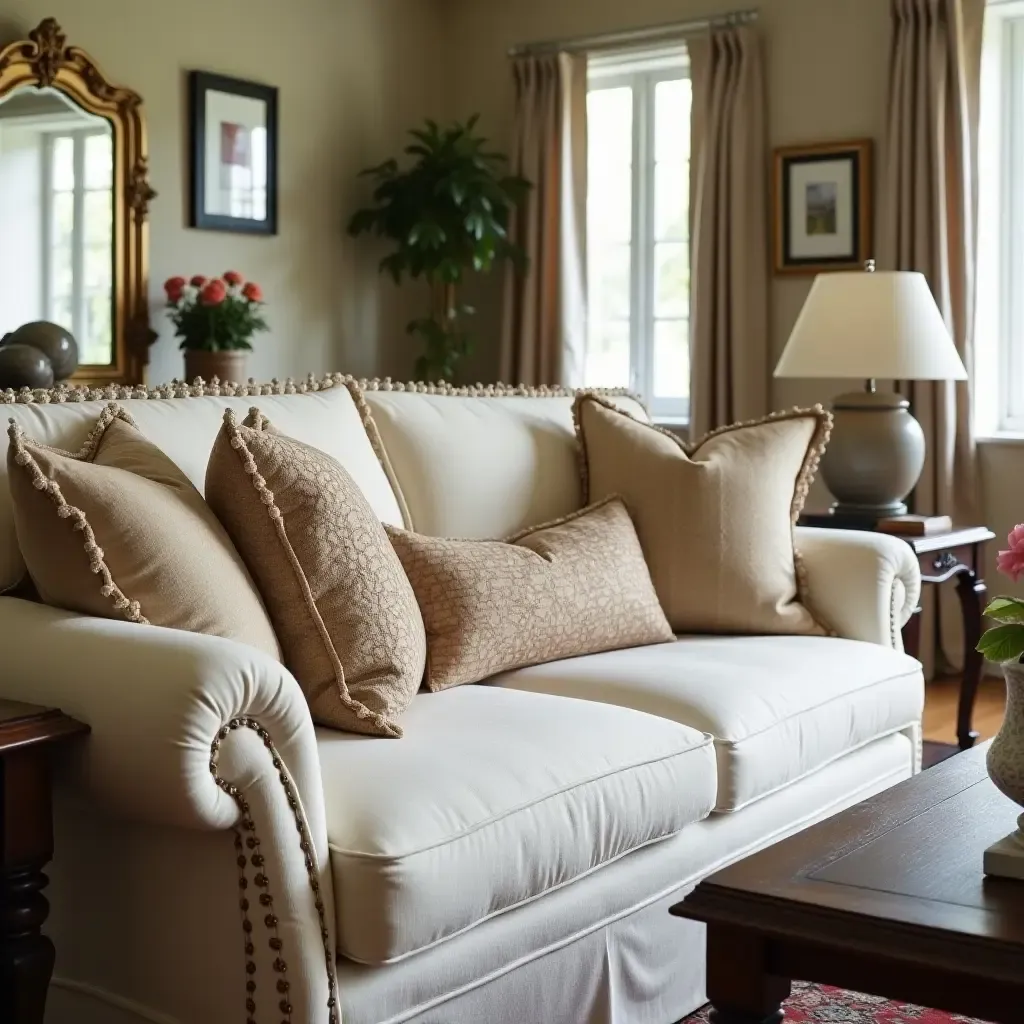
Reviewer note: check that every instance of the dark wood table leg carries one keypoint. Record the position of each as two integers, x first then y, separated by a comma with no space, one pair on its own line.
912,634
971,590
26,844
741,988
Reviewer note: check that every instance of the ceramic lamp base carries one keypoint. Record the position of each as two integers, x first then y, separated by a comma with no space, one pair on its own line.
1005,859
875,455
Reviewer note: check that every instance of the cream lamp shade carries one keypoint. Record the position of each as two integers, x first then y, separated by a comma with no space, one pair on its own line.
882,324
871,325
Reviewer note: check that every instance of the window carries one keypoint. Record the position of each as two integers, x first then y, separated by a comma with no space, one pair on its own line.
638,272
77,225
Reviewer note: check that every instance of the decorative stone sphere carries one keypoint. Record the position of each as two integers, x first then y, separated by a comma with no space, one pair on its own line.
22,366
55,342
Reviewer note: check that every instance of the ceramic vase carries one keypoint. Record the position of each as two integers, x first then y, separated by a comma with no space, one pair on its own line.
227,367
1005,764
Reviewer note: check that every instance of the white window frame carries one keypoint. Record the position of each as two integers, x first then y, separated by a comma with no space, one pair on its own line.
999,328
642,73
79,312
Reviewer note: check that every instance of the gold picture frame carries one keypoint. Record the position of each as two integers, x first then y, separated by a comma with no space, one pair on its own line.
44,60
822,207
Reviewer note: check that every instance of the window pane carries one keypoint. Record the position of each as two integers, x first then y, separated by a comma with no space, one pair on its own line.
609,202
609,155
671,280
610,125
99,161
98,219
607,360
60,311
672,122
97,345
671,359
61,243
608,282
671,202
63,170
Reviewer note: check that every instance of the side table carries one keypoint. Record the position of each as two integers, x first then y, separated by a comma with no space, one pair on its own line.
956,555
29,735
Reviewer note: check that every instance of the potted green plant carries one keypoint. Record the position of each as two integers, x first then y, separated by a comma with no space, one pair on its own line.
446,215
215,319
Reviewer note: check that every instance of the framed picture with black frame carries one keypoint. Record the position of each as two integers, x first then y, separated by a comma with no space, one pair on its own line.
822,207
233,129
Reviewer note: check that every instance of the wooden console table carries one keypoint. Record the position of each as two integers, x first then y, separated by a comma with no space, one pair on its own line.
28,737
956,555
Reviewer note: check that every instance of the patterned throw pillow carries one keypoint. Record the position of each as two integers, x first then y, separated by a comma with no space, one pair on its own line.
343,609
715,519
118,531
575,586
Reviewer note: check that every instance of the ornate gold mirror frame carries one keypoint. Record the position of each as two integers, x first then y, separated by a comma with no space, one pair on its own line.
44,61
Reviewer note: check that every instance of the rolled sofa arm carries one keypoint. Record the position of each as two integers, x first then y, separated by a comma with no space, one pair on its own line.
196,732
863,585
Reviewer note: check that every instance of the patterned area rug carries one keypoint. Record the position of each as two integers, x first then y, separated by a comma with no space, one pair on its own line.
820,1004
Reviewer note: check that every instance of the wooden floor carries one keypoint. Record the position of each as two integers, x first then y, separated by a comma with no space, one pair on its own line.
940,709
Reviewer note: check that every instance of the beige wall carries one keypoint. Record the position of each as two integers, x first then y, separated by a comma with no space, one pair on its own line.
826,80
352,75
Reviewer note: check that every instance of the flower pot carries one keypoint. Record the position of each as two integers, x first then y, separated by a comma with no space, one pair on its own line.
226,366
1006,755
1005,763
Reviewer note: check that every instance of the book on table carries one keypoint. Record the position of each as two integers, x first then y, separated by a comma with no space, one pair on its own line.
915,526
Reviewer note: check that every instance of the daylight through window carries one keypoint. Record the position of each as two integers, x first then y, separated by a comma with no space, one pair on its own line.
638,125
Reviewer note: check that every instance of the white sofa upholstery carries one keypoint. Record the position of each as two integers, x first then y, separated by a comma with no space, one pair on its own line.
474,815
512,858
778,707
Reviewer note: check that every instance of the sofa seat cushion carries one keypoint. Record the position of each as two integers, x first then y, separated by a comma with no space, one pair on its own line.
779,707
492,798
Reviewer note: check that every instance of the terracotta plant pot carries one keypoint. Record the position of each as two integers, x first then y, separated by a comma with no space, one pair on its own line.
227,367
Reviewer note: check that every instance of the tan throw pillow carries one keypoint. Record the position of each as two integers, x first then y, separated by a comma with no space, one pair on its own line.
117,530
344,611
715,520
575,586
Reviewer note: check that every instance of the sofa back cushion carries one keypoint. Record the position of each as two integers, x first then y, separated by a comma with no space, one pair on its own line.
185,428
480,466
117,531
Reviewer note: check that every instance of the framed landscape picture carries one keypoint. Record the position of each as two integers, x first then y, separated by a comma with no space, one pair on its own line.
822,201
234,154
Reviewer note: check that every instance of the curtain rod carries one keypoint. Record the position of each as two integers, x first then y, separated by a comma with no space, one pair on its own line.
635,37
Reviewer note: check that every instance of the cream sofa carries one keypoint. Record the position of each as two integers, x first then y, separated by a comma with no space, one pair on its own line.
512,859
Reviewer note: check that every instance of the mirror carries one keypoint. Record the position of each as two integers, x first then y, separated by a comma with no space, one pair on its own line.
56,199
74,202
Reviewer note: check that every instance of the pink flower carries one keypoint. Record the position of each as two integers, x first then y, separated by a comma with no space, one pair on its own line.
233,277
213,294
1011,561
253,292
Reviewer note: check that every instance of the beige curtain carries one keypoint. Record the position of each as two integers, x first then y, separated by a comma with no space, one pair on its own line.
544,330
729,375
929,190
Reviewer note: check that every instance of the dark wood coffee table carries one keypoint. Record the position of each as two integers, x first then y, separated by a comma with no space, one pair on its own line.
887,898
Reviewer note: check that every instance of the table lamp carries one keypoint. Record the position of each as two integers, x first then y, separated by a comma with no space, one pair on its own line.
871,326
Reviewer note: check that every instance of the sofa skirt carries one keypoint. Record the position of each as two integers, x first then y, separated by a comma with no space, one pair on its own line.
603,950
